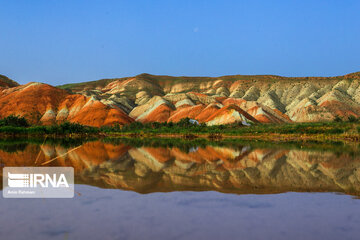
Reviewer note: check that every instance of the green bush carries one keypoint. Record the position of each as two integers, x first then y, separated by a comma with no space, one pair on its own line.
352,118
337,119
63,128
13,130
36,129
67,128
14,121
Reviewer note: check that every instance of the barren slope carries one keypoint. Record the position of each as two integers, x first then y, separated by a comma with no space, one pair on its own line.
217,100
267,98
43,104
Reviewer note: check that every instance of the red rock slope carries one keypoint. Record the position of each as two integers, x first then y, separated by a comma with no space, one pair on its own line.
45,104
267,98
220,100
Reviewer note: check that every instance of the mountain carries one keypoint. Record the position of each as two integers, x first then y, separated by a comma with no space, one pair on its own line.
210,100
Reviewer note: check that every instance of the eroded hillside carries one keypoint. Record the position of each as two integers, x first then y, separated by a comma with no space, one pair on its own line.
220,100
267,98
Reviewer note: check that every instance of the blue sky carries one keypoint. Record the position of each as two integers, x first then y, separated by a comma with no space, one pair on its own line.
63,41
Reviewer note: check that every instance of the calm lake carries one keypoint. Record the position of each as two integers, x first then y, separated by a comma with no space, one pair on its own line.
174,189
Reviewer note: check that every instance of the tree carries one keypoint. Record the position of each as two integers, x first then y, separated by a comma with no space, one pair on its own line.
14,121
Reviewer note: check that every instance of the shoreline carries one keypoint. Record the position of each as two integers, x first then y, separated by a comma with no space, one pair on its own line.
255,137
268,137
301,132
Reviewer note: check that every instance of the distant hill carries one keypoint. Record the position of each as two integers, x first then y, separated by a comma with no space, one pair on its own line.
7,82
165,80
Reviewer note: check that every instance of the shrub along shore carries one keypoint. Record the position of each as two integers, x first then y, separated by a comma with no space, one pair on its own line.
349,130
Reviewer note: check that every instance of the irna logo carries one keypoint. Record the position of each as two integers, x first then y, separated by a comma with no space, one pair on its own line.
36,180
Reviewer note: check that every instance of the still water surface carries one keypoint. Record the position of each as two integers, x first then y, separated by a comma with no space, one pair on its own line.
207,191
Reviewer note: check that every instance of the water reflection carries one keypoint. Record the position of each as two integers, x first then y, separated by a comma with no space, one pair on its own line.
233,169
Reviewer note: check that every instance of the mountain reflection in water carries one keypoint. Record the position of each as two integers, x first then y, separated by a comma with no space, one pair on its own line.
232,169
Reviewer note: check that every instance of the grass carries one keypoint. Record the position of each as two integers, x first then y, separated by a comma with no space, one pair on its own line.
237,129
64,129
349,130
